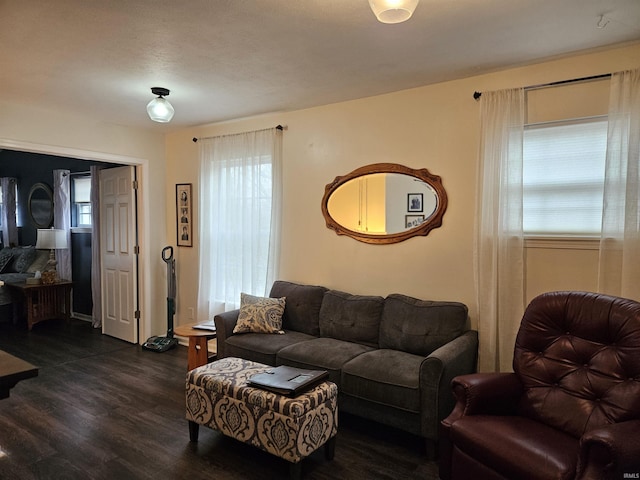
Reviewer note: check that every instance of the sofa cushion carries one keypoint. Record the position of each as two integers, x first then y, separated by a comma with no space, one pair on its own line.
519,447
302,309
40,262
261,347
259,315
321,353
354,318
420,326
386,377
6,255
23,257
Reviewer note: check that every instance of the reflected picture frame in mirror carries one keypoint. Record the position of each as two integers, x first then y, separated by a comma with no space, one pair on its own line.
423,193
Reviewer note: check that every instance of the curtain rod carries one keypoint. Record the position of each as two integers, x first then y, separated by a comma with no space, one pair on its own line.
195,139
477,95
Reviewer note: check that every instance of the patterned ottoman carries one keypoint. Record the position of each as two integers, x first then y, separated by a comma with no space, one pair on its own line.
217,396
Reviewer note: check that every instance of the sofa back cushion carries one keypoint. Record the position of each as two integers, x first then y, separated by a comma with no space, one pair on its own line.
353,318
420,326
302,306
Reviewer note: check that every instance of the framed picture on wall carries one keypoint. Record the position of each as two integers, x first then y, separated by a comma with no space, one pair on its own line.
184,215
414,202
411,221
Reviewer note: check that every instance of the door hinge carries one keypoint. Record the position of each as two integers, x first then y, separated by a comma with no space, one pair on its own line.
135,184
136,250
136,314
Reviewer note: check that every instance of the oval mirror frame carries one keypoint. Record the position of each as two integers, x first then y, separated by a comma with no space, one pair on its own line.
40,205
433,221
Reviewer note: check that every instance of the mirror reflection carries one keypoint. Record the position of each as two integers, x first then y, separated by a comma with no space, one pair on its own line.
384,203
40,205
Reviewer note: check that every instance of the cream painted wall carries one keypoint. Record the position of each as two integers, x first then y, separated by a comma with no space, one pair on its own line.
435,127
42,131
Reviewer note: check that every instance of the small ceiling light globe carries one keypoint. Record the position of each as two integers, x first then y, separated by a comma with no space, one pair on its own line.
393,11
159,109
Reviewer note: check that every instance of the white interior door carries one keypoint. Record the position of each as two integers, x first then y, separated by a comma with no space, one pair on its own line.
117,253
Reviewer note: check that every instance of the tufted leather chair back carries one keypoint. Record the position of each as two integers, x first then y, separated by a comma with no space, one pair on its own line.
577,355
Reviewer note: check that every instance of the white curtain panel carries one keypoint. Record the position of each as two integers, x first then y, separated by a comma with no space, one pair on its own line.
619,263
62,219
499,246
96,274
9,227
240,196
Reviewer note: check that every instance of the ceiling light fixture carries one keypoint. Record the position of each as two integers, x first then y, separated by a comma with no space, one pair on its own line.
159,109
393,11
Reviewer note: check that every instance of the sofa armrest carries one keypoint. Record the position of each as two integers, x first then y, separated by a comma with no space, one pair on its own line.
610,452
225,323
457,357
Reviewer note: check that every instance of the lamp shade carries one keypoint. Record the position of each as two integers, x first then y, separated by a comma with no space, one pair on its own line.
51,239
393,11
160,110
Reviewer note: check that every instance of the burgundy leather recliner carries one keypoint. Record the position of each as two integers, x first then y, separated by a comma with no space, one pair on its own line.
570,410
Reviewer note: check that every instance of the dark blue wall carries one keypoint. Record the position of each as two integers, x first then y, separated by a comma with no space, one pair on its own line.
32,168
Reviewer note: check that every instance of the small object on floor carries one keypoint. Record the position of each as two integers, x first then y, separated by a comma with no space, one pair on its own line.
160,344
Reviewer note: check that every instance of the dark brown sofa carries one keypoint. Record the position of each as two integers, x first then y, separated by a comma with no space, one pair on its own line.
392,358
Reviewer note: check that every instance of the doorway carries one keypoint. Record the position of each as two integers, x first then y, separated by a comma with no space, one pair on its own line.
58,154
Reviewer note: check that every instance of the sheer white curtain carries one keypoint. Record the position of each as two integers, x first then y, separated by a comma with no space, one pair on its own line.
62,219
240,210
9,227
499,247
619,265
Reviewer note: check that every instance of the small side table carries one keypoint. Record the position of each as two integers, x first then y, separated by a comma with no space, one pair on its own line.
198,353
45,301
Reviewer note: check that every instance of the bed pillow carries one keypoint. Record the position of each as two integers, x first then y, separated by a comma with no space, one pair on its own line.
5,258
260,315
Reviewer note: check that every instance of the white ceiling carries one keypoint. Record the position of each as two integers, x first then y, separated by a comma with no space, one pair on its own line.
225,59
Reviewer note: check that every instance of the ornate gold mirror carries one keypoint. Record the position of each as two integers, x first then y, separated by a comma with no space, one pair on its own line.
40,205
384,203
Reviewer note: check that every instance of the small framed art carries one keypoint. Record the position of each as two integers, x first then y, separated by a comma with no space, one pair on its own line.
414,202
412,221
184,215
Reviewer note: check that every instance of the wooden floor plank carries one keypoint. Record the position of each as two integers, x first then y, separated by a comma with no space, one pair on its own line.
101,409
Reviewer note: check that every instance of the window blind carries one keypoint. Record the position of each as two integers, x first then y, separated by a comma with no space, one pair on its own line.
563,177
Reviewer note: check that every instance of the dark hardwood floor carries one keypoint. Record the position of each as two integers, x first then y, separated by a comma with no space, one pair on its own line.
101,408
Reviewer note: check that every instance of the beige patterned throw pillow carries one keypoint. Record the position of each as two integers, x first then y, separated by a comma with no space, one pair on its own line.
260,315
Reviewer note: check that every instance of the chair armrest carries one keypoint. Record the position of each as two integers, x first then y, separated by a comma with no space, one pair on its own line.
225,323
485,394
457,357
609,452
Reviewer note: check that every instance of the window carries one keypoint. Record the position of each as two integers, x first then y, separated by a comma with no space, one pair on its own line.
239,219
563,175
81,197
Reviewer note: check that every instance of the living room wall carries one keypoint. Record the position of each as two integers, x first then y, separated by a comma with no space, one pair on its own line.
435,127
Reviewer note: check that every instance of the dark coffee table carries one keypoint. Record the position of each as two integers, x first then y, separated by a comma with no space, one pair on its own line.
12,370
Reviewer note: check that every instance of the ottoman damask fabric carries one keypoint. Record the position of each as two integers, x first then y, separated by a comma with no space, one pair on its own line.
218,396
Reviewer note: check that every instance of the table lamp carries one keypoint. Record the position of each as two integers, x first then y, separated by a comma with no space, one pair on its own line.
51,239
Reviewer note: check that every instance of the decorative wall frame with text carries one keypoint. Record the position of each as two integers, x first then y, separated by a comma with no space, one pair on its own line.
184,215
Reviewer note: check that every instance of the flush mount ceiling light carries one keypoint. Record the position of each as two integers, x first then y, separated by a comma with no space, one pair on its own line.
159,109
393,11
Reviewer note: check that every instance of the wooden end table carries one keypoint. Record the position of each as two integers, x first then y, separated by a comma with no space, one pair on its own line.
45,301
198,353
12,370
